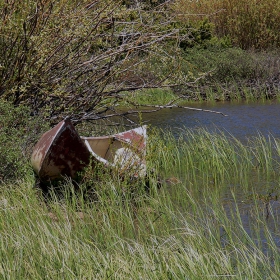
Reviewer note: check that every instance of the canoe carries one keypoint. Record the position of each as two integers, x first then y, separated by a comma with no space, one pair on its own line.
62,152
59,152
124,151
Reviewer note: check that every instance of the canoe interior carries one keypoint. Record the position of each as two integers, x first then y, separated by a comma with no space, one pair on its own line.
125,151
104,147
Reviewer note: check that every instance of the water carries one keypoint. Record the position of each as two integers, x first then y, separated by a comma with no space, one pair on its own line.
243,120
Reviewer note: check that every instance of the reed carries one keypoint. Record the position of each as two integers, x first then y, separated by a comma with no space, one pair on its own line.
232,74
234,91
248,24
196,228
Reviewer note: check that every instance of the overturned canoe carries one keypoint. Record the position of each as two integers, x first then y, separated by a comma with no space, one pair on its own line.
62,152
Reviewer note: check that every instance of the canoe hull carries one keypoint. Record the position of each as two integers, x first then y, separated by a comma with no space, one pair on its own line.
60,152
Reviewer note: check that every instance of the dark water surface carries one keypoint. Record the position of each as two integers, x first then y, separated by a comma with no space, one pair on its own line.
244,119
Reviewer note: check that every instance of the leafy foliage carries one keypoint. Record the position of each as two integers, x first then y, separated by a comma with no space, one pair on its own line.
195,35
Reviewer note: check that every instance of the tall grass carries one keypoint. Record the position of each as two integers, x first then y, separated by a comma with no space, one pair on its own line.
219,219
18,132
249,24
150,96
233,74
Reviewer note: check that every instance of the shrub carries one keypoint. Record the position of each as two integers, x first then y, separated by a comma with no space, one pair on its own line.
232,64
18,132
64,57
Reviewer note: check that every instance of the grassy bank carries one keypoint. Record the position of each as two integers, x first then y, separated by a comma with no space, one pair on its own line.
218,219
221,74
232,73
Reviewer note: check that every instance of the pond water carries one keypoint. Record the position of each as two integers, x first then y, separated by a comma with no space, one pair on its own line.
243,120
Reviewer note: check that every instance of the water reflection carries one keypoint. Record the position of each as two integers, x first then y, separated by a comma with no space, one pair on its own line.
244,120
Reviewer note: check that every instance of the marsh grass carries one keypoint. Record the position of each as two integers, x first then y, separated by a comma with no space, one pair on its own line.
235,91
148,97
233,74
248,24
220,219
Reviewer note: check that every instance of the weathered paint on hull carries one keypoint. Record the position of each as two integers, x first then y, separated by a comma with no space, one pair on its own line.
60,152
136,138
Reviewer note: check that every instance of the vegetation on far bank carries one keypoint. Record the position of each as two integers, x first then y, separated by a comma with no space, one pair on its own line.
226,74
247,24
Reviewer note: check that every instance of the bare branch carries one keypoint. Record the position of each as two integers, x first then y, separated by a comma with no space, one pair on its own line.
185,107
